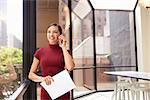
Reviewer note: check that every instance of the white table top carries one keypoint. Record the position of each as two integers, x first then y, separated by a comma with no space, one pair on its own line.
131,74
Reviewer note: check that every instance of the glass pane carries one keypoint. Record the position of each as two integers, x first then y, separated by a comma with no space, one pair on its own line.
114,4
115,44
64,18
11,33
83,74
81,8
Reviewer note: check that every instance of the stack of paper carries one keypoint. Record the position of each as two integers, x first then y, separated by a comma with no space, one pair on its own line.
61,85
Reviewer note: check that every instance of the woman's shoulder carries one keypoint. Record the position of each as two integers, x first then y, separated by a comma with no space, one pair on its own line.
40,50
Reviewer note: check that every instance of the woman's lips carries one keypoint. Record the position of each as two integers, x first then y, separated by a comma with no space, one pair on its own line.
52,38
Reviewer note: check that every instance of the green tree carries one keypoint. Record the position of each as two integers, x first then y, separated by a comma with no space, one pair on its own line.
8,75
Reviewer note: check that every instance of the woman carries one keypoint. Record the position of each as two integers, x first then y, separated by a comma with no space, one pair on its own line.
52,59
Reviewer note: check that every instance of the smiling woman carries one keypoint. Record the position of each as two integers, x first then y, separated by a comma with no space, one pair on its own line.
52,59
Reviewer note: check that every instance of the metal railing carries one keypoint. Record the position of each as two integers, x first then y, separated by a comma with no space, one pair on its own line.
18,94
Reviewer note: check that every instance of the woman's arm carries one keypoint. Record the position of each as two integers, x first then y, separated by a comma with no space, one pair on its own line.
34,77
69,63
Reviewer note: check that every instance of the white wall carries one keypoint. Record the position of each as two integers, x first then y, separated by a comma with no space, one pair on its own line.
139,38
143,35
145,20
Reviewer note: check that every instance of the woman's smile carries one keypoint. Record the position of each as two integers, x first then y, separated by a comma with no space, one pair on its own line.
51,37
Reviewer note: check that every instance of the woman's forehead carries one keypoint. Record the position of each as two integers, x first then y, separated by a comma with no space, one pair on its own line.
52,28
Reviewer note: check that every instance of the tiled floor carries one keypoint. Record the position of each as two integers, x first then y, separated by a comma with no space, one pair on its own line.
109,95
94,96
98,96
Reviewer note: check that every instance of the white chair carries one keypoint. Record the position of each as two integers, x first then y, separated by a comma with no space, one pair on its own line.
140,91
122,89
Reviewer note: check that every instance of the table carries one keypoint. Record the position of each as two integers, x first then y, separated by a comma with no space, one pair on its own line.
144,88
131,74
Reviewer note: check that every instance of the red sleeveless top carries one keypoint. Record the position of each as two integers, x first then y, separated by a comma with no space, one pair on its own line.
51,62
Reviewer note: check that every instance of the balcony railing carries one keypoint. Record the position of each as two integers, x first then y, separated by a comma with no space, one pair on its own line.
18,94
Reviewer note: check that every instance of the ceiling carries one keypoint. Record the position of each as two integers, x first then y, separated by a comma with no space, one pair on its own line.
114,4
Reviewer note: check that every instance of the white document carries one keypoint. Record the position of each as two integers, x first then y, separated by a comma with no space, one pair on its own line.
61,85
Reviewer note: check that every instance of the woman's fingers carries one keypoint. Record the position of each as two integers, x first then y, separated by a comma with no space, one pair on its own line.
62,41
48,80
62,37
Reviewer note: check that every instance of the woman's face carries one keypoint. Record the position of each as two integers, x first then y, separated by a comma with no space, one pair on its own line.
53,34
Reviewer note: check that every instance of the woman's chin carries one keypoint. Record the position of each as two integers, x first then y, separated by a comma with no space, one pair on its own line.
53,42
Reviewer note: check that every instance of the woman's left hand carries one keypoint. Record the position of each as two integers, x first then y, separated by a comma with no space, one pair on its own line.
62,41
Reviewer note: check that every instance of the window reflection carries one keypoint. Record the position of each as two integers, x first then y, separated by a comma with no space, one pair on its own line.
82,47
11,32
115,46
82,8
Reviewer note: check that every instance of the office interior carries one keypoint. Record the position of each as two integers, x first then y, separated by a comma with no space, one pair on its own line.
103,35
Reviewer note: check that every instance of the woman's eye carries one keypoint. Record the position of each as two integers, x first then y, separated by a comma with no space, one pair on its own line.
55,32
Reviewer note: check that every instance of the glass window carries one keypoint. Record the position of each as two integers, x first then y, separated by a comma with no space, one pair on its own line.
115,44
83,54
79,8
11,32
82,24
114,39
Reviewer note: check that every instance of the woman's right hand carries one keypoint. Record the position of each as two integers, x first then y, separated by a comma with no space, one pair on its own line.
48,80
